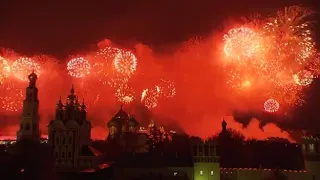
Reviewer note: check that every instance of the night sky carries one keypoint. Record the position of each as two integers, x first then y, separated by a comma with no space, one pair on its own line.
65,28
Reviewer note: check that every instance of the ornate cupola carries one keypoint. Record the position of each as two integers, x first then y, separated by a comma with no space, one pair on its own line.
133,124
32,79
72,97
59,110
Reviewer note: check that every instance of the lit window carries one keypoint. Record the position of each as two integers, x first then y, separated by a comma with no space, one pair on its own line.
175,173
211,173
311,147
201,173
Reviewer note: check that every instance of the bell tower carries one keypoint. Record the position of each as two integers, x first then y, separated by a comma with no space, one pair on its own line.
29,123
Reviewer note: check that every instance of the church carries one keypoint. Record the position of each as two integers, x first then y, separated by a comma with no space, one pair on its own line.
70,136
29,123
124,129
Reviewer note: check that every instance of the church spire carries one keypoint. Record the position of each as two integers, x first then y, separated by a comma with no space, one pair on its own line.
59,105
72,89
224,126
72,97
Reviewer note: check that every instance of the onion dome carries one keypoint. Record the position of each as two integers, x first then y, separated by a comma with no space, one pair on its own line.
121,114
72,124
57,124
132,122
113,122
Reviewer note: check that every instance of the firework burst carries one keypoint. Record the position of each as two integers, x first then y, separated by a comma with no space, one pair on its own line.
103,59
4,69
78,67
275,56
271,105
167,88
125,63
242,43
125,94
11,97
22,67
303,78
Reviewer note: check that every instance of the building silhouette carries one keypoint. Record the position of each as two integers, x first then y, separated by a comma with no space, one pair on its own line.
29,123
70,136
184,157
311,152
122,123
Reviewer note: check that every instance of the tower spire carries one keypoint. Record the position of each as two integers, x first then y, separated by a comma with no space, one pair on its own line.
29,123
72,89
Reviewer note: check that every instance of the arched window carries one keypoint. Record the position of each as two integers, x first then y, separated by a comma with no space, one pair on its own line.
27,126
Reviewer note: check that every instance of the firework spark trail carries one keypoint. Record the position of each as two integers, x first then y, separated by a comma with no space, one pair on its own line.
4,69
166,88
149,97
125,94
11,96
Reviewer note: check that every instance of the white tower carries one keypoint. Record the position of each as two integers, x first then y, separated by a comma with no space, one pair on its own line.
29,123
311,151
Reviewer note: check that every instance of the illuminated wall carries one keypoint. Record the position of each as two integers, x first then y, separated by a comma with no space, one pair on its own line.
311,151
206,162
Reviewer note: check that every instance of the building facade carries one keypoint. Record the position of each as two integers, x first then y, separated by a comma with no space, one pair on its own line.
311,152
70,136
204,164
29,123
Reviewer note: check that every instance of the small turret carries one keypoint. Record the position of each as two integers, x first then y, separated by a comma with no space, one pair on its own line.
72,97
77,104
32,79
133,124
83,111
59,110
83,106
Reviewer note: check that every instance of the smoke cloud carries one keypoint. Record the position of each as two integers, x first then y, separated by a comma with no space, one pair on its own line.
202,97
